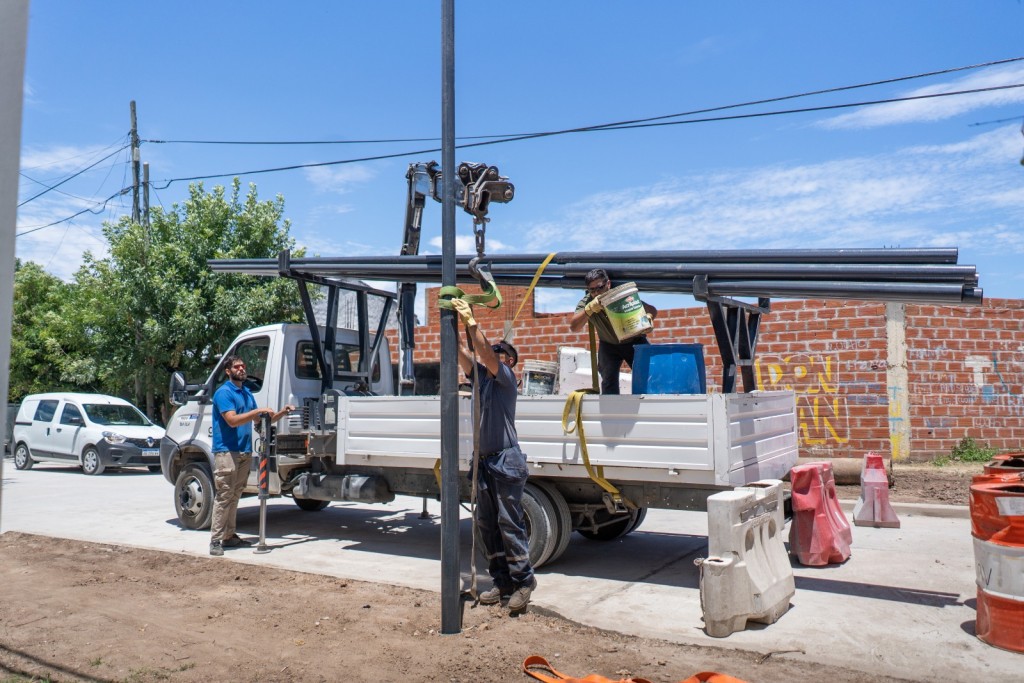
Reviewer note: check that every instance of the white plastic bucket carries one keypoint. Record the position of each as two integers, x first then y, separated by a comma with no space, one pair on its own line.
626,312
539,377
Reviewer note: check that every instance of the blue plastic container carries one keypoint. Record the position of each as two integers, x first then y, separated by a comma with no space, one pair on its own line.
669,369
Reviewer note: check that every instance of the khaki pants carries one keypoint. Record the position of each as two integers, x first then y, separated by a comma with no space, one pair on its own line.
230,473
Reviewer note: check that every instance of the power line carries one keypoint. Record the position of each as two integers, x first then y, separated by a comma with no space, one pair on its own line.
74,175
617,124
595,129
102,206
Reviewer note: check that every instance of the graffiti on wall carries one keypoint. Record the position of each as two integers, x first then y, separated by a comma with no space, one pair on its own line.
821,409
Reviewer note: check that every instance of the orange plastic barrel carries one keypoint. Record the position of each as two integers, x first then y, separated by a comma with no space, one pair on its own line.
997,525
1007,463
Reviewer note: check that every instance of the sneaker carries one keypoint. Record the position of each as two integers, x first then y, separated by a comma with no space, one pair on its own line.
493,596
216,548
236,541
521,596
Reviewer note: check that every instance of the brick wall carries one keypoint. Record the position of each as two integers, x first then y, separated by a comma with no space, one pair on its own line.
961,368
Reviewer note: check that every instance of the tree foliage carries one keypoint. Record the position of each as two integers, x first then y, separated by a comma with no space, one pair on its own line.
152,305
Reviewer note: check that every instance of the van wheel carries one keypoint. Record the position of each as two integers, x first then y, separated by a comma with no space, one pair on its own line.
310,505
193,496
91,463
22,458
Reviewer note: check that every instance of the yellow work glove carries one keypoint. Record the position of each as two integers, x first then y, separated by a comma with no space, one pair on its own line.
465,312
593,307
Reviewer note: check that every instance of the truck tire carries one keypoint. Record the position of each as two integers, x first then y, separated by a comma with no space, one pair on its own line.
91,462
614,527
310,505
563,519
541,527
193,496
23,457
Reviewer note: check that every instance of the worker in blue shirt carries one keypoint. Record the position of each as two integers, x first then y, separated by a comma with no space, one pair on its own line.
234,411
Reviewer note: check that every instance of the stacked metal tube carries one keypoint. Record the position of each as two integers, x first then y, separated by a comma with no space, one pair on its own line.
917,275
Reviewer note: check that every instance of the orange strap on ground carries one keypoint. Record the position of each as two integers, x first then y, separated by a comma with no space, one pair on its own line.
538,667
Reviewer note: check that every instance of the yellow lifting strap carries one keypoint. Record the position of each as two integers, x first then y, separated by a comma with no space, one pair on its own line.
529,290
572,421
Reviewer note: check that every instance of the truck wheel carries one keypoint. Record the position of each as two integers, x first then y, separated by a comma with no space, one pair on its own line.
91,463
613,527
193,496
563,519
23,458
310,505
541,527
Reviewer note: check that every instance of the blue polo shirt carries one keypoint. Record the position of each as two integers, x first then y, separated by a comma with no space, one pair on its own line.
225,437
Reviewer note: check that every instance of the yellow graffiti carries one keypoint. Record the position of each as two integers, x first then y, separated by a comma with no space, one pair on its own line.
821,411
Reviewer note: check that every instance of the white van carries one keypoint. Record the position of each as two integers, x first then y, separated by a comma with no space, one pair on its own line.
90,430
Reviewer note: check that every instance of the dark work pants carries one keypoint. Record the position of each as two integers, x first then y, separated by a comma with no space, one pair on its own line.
610,358
499,509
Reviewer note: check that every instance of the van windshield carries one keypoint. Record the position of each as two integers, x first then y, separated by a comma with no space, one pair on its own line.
105,414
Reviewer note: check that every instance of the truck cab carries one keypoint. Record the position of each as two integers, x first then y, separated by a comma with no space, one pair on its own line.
282,368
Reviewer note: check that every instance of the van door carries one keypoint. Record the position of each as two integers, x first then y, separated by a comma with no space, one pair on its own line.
66,438
41,432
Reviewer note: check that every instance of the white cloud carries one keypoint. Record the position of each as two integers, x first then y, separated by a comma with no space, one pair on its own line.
339,179
466,244
967,194
61,158
938,108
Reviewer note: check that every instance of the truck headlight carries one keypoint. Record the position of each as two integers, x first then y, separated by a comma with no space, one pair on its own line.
113,437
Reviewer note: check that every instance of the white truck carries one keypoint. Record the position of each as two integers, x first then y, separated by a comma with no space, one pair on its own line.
354,439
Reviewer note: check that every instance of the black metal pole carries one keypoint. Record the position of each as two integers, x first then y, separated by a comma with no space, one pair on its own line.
451,613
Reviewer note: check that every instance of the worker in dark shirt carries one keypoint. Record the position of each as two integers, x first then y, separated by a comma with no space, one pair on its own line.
502,470
611,352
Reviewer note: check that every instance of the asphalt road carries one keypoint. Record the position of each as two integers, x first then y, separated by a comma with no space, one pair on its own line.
902,605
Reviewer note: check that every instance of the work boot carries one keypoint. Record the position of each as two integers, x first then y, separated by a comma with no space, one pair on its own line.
521,596
216,548
494,595
236,541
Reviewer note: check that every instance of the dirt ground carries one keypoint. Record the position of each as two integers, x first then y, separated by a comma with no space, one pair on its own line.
73,611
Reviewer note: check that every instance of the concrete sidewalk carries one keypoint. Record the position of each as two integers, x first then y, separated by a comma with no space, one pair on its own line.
902,606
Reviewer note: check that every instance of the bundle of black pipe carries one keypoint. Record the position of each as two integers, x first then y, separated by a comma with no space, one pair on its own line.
918,275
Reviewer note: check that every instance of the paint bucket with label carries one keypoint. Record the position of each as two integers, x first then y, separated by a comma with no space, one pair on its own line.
626,311
539,377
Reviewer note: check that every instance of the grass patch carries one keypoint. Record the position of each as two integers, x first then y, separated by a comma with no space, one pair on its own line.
968,450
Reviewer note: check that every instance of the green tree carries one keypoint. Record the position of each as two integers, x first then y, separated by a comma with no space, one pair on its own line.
39,300
153,305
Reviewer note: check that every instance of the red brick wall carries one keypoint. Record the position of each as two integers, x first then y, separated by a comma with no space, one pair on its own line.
965,367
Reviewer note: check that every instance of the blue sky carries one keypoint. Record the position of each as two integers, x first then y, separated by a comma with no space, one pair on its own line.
913,174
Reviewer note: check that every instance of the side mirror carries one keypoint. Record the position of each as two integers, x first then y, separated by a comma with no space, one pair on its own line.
176,392
179,389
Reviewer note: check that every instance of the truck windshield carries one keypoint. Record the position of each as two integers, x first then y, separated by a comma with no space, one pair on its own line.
105,414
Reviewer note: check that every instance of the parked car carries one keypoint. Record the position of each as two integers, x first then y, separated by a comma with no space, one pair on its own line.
90,430
12,411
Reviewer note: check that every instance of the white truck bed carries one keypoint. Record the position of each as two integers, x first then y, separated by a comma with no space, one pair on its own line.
713,440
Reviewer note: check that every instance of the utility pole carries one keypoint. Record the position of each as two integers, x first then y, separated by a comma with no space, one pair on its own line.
136,217
145,200
451,612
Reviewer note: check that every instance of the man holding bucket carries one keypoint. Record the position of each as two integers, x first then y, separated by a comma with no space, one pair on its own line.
619,337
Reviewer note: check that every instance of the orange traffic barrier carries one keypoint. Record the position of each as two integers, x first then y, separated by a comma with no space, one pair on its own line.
873,507
997,525
819,533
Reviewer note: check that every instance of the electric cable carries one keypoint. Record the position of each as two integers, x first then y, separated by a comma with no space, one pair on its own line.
74,175
592,129
102,206
708,110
